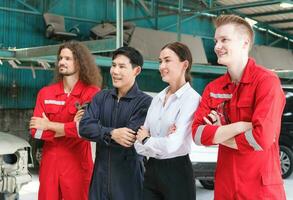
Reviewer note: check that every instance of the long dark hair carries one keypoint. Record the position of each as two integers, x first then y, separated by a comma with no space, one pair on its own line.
89,72
183,52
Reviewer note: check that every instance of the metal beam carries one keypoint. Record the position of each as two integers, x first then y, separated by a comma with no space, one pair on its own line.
287,29
150,65
7,54
279,21
146,11
145,8
20,11
155,6
271,13
242,5
38,13
28,6
275,42
119,23
179,18
95,46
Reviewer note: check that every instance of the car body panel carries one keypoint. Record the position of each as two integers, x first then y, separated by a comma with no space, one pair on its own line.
15,154
11,143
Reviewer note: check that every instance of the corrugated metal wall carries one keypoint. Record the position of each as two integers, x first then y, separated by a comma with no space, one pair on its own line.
19,28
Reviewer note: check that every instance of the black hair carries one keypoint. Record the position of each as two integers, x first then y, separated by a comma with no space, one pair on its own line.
134,55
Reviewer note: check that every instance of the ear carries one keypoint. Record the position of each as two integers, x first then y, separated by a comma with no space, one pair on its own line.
246,42
137,70
185,64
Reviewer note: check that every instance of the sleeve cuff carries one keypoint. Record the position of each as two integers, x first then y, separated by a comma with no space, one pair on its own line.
208,135
71,129
242,143
107,136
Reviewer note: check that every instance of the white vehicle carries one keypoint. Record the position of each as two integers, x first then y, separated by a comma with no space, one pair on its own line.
15,155
204,161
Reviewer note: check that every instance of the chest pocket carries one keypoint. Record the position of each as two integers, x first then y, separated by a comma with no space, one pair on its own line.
245,109
51,110
72,109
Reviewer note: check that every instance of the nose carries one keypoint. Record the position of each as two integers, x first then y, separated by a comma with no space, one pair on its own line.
218,46
61,61
114,70
162,65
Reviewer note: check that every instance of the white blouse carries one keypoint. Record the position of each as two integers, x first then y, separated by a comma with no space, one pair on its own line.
178,110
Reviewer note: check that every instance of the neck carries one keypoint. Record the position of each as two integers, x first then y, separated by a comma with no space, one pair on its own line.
69,82
236,69
176,85
123,91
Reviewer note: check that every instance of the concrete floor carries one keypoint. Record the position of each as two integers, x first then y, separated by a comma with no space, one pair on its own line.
29,191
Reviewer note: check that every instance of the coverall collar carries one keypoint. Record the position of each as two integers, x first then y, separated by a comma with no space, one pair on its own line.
132,93
247,75
75,91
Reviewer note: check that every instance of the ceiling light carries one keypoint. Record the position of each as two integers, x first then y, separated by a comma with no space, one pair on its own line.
250,21
286,5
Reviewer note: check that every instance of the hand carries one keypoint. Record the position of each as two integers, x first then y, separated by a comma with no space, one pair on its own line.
172,129
124,136
230,143
78,115
40,122
213,118
142,133
59,134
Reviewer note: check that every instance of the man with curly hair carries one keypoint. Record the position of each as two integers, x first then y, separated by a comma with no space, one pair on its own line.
66,164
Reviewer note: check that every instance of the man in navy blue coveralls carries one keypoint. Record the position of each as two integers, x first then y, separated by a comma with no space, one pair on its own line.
111,121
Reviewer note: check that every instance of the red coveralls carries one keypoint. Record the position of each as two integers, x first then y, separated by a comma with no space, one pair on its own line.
253,171
66,165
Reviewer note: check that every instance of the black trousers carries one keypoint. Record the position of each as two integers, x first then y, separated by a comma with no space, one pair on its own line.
169,179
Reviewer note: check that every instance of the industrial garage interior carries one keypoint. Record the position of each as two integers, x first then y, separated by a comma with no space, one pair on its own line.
32,31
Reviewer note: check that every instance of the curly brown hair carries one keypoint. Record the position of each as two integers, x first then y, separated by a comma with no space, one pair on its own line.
89,72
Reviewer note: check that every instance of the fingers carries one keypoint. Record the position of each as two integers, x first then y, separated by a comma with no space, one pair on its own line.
213,118
78,115
33,122
207,121
124,136
130,130
44,116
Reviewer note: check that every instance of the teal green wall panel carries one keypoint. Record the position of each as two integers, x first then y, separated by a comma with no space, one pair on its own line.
18,88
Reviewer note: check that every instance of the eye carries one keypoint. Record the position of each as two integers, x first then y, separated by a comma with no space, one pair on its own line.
224,40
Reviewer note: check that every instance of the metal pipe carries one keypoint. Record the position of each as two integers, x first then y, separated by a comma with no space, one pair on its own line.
119,23
20,11
179,18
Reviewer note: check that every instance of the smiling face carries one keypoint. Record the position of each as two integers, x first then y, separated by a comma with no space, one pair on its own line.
66,64
231,44
171,68
122,73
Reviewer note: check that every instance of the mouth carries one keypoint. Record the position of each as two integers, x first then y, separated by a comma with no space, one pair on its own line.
221,54
115,79
163,73
62,67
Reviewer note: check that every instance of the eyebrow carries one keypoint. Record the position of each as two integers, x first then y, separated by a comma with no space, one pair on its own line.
164,57
113,63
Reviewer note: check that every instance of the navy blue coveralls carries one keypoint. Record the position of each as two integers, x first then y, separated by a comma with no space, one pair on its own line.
118,171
